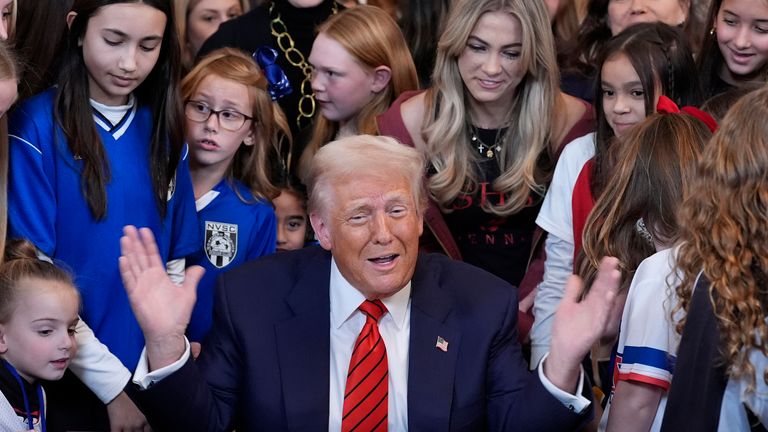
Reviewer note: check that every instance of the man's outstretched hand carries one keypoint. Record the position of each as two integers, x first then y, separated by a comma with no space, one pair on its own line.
161,307
579,324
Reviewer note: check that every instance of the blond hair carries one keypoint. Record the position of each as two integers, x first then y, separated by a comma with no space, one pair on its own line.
530,117
9,70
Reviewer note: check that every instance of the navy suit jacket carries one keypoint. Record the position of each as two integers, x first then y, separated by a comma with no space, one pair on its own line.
265,365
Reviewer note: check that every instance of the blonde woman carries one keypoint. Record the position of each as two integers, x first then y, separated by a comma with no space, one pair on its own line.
492,125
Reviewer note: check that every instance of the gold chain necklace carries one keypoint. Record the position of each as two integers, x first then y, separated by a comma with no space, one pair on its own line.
296,58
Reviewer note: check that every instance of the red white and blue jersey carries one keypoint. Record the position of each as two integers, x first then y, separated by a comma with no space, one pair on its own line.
647,340
46,205
232,231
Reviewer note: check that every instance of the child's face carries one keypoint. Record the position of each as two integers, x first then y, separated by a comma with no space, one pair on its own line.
39,339
204,19
121,46
215,141
342,86
623,94
291,221
742,35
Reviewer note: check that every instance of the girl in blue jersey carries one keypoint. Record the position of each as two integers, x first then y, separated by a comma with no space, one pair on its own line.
104,149
232,125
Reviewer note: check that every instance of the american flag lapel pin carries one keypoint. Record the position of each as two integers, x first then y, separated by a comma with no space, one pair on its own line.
441,344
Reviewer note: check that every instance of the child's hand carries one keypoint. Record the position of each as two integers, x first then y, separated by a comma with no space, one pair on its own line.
124,416
161,307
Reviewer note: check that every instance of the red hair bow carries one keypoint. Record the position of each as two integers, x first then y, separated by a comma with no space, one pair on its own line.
666,105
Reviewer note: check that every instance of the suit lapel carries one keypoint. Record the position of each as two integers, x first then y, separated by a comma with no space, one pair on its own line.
430,370
303,346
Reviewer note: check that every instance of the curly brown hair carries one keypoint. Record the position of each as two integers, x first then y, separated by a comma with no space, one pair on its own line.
725,232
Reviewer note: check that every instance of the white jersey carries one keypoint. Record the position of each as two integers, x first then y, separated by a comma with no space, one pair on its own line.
556,218
647,340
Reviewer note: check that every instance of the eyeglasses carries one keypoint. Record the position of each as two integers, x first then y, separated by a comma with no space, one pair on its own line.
200,112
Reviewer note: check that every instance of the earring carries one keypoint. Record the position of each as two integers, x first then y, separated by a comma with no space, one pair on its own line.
713,31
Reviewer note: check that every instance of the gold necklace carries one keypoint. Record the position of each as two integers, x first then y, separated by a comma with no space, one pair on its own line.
296,58
489,151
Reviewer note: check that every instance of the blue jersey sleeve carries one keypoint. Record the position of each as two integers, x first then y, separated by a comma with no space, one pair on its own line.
31,176
263,239
182,215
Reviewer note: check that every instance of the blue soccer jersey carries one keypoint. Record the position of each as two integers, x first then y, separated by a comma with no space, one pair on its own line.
232,232
46,205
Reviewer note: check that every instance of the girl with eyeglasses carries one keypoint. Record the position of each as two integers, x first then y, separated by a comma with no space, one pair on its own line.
232,125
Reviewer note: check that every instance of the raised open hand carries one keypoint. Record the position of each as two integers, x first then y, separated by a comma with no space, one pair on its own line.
579,324
161,307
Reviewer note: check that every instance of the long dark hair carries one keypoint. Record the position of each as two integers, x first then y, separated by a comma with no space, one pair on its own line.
595,32
661,56
422,24
710,61
159,92
39,40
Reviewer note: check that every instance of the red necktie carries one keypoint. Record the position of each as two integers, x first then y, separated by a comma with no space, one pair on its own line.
365,395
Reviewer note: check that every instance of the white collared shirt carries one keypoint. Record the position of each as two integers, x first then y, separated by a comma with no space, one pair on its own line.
346,323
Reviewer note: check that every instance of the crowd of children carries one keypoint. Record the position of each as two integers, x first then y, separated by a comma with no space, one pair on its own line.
555,133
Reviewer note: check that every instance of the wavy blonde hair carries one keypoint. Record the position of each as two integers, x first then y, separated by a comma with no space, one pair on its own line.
373,38
9,70
656,164
725,232
530,117
250,164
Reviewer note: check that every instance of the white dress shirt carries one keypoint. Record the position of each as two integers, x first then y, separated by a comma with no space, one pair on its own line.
395,328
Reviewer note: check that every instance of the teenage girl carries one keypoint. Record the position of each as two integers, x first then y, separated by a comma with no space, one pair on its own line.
38,314
633,219
735,49
102,150
231,125
362,65
636,67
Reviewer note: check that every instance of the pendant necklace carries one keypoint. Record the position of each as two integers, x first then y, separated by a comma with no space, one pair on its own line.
489,151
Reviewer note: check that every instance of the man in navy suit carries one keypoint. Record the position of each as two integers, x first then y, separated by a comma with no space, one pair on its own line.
285,327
